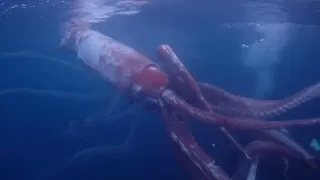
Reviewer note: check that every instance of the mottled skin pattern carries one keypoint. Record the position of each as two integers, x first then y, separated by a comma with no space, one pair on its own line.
131,72
116,62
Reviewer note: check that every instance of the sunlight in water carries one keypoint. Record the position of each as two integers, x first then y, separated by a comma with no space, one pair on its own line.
90,10
263,55
99,10
9,8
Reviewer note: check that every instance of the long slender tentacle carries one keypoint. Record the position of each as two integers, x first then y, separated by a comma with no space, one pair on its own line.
291,143
84,156
176,67
199,164
45,92
286,167
99,119
201,161
230,102
223,98
23,55
233,104
170,59
247,168
184,108
256,147
180,105
109,151
243,106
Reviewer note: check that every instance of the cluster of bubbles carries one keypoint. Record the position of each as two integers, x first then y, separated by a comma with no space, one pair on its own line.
263,55
95,11
7,9
91,10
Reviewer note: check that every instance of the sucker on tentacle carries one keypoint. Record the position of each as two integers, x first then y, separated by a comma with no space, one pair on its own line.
241,106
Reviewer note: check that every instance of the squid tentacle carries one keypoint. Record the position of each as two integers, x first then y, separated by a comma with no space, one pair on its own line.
237,105
198,159
237,123
36,57
198,162
292,144
174,64
54,93
247,168
230,103
258,146
172,61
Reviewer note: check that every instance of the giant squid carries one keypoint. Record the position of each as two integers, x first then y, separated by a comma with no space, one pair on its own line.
176,95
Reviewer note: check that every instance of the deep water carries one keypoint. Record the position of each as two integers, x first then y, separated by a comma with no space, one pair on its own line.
33,145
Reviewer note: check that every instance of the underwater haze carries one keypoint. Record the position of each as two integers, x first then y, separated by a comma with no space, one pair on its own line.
261,49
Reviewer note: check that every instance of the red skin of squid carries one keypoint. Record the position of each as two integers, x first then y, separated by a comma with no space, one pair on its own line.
115,62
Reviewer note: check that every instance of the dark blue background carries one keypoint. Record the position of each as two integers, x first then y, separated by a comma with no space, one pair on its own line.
30,127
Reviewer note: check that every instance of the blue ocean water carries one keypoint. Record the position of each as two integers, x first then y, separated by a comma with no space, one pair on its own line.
213,39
